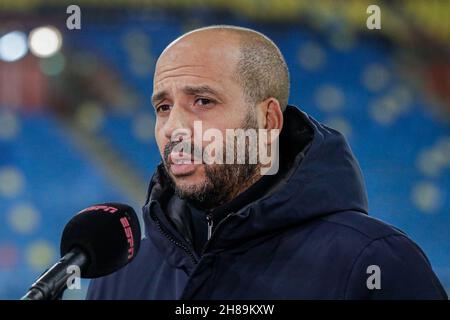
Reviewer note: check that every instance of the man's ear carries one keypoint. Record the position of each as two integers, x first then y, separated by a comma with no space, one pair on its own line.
268,145
272,116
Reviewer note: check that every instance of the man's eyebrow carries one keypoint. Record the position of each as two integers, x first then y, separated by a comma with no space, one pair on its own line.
159,96
188,90
199,90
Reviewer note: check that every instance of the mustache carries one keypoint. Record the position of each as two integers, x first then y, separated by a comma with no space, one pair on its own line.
186,146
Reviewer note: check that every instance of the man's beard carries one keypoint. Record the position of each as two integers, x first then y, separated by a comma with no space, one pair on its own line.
223,182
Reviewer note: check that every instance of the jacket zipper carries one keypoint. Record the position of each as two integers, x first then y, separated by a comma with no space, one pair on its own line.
210,222
172,239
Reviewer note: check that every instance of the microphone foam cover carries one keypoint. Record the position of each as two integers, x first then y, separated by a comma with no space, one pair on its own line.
108,233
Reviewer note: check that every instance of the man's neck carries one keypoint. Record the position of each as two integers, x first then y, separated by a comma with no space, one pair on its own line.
244,186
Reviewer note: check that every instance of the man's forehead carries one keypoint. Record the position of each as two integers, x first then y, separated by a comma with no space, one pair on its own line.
182,73
193,83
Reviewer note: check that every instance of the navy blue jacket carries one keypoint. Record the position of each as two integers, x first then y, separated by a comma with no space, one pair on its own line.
309,238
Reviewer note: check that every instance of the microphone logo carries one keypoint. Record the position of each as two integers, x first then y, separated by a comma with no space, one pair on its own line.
129,235
102,208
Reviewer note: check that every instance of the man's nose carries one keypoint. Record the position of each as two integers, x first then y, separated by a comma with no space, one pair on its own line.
177,127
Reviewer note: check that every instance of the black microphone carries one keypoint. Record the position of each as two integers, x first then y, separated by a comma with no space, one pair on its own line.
98,240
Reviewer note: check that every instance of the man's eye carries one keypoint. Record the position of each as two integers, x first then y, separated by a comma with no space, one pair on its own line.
163,108
203,101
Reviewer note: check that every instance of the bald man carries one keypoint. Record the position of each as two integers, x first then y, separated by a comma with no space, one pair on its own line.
295,227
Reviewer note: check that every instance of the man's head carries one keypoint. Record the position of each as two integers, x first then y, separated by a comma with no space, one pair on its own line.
227,78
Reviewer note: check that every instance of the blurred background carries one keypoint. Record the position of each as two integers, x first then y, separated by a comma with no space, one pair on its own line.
77,126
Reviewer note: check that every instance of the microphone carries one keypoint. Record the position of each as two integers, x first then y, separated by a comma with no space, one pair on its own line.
98,240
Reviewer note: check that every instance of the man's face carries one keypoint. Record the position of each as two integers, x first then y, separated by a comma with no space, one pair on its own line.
194,81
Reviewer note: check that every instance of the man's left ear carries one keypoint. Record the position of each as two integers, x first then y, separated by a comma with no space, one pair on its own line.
270,114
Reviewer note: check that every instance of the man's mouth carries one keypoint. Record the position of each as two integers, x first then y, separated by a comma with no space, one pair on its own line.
181,164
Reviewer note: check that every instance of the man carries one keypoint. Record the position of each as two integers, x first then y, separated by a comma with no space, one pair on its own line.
227,231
